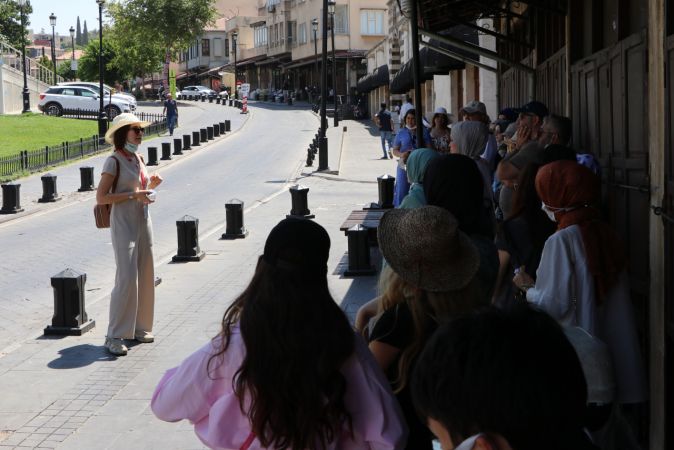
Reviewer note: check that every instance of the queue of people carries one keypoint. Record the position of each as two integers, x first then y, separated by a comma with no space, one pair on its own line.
503,319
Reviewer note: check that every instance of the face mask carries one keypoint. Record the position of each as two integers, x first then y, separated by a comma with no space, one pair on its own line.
549,212
411,127
468,443
132,148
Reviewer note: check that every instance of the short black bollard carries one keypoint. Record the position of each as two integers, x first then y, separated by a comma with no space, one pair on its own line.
298,197
11,199
203,135
216,130
217,100
290,101
221,126
165,151
228,126
209,133
188,240
196,137
203,98
210,99
385,184
359,252
231,102
186,142
70,317
178,146
86,179
234,219
49,193
310,158
152,156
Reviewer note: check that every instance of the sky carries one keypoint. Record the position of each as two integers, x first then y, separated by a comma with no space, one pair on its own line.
66,12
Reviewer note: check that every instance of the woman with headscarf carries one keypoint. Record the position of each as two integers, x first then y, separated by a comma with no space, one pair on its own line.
416,167
582,276
405,142
469,138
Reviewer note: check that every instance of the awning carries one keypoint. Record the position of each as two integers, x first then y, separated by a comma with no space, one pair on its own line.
252,60
434,62
380,77
279,59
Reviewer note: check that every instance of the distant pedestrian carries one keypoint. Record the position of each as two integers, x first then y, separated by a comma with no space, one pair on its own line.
440,133
171,111
161,90
404,108
287,370
404,143
132,298
385,124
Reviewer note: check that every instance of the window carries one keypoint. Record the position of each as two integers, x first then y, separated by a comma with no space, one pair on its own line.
302,33
226,48
372,22
217,47
68,91
87,93
341,19
205,47
260,36
291,32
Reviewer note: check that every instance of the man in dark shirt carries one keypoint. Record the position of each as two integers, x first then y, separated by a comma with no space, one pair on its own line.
171,111
383,121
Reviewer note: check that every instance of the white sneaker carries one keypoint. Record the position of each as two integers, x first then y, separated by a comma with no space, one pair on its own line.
144,337
116,346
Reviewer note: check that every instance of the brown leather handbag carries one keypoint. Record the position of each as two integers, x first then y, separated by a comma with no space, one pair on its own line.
102,212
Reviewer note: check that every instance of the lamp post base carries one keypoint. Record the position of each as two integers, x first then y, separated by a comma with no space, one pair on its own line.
323,153
102,125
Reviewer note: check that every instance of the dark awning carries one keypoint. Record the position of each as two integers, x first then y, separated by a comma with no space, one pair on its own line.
433,62
380,77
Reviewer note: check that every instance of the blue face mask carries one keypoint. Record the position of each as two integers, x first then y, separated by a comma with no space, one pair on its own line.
132,148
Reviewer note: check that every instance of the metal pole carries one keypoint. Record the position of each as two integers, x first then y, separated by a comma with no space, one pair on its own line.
26,94
72,40
316,55
53,52
323,139
416,74
236,94
335,117
102,117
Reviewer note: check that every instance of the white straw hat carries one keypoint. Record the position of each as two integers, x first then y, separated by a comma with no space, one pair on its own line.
122,120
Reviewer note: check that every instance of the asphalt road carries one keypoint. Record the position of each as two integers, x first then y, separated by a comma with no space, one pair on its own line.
251,165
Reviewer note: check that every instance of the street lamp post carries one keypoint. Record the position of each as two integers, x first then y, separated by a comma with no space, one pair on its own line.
314,27
102,117
235,36
323,139
26,94
331,11
52,22
72,41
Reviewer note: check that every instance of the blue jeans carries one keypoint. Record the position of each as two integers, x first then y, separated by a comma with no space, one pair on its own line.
171,122
385,136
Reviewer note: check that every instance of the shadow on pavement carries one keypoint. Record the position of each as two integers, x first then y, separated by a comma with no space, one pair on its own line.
80,356
362,289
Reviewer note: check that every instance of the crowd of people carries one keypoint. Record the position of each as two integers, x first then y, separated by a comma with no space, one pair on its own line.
503,318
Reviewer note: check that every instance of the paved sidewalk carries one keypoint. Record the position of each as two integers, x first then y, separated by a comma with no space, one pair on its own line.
69,393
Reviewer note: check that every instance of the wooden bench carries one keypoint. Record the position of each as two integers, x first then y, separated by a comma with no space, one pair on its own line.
368,218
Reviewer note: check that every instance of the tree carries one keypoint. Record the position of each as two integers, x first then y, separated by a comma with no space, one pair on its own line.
10,22
78,33
85,34
64,71
172,25
87,69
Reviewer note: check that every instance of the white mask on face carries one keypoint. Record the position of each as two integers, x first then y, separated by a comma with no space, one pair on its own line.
468,443
549,212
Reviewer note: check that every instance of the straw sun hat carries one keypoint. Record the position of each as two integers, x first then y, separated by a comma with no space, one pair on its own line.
425,247
122,120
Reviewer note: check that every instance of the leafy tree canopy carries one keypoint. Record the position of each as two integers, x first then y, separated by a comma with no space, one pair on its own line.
87,69
10,22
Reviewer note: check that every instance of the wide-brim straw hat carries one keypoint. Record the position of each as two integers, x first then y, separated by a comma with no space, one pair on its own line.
122,120
425,247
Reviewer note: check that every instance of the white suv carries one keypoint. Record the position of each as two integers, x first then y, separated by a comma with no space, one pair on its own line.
130,99
59,100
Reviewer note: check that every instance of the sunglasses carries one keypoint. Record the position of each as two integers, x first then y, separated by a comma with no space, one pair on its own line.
138,130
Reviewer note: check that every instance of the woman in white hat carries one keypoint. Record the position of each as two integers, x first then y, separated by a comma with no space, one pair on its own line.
126,184
440,134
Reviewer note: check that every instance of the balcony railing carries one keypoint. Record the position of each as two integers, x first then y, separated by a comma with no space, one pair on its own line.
11,57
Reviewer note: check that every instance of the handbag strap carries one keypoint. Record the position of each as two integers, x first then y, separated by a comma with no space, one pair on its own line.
249,440
114,182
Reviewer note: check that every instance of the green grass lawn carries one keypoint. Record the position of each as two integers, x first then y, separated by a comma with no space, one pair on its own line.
34,131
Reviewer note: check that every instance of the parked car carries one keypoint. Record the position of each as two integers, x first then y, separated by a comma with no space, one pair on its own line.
199,91
59,100
128,98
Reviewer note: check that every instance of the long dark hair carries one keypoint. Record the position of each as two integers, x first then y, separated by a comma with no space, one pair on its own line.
297,339
119,136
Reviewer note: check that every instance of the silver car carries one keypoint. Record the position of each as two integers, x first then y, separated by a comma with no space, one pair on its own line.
60,100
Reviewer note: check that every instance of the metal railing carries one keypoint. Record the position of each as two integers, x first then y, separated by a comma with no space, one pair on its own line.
11,57
27,161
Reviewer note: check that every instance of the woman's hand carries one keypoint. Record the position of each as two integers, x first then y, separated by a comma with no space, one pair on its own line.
155,180
141,196
405,155
363,316
523,280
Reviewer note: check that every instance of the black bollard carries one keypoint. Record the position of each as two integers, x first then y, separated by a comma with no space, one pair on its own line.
234,219
203,98
217,100
298,197
231,102
165,151
386,184
186,142
216,130
11,199
221,126
359,252
152,156
49,193
70,317
228,126
209,133
203,135
86,179
310,159
210,99
188,240
196,136
178,146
